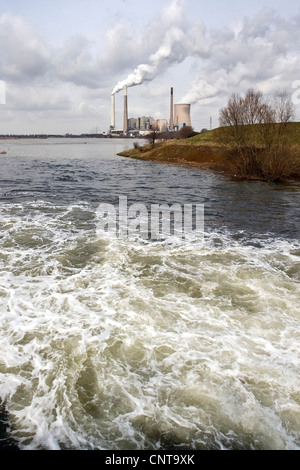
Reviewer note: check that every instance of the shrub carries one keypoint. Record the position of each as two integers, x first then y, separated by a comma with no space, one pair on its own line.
186,132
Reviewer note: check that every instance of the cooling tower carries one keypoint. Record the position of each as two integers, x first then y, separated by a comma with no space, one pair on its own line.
125,123
182,115
171,123
112,112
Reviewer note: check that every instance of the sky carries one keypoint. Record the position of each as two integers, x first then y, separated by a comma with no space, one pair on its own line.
61,60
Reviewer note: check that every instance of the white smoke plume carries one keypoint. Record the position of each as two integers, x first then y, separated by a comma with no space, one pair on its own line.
171,51
140,74
200,90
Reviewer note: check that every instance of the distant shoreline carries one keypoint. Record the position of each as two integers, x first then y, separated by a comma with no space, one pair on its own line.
66,136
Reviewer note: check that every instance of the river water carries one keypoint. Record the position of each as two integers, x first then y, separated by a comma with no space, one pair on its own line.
110,343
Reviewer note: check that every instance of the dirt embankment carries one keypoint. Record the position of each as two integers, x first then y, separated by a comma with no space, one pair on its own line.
203,156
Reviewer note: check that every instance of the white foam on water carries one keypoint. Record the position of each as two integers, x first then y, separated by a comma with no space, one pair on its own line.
133,344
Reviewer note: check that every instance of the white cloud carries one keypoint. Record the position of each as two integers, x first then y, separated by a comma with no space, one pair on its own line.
263,49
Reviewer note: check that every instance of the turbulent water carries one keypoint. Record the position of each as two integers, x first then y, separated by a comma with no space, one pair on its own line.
110,343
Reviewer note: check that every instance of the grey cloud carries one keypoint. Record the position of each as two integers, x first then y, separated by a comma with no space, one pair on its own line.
37,98
262,51
74,63
24,56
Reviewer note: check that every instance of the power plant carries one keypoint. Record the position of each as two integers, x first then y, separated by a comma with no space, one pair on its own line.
180,116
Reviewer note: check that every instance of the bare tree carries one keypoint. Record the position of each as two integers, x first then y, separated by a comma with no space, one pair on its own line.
282,103
237,116
153,136
255,109
256,129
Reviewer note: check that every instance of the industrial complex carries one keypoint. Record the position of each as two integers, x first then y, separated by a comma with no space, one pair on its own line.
180,116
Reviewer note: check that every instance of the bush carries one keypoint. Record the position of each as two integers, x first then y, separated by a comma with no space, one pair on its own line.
280,163
137,146
186,132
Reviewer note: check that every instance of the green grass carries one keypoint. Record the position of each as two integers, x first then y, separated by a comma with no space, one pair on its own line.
206,137
212,137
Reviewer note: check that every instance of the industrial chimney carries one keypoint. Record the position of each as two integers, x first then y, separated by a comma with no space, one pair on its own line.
112,121
171,123
125,123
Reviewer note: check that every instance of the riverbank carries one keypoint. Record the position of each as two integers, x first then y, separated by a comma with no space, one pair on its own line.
182,153
206,151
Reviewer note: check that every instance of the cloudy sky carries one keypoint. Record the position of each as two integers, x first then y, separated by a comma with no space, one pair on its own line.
60,60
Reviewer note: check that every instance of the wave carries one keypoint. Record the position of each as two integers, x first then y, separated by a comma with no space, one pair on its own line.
138,344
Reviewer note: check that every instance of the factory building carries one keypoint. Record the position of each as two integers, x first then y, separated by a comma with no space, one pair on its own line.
160,124
141,123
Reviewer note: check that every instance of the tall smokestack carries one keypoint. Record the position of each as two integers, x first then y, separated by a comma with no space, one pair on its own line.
171,124
125,124
112,112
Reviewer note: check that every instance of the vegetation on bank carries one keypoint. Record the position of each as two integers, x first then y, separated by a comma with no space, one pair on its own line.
209,151
256,140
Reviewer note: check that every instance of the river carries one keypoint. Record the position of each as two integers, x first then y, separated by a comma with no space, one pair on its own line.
126,343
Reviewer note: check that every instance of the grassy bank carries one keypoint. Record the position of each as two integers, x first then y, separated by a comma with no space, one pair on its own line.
209,151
